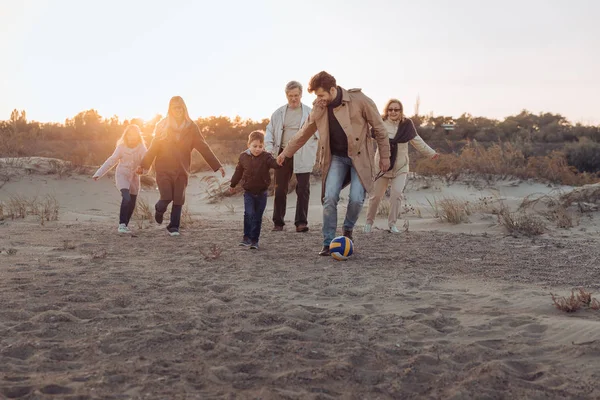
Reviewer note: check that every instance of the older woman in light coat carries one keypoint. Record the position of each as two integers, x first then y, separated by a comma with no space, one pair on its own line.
401,131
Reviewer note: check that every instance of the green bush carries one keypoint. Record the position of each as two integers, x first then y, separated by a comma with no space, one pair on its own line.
584,155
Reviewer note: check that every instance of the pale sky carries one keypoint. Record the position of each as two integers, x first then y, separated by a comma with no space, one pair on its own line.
128,58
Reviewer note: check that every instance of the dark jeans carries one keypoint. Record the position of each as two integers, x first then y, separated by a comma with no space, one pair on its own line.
161,206
127,206
282,181
254,208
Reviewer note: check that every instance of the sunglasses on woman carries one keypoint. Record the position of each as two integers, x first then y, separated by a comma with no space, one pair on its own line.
394,109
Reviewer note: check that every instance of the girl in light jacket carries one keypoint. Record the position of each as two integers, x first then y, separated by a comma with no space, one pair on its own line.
401,131
128,155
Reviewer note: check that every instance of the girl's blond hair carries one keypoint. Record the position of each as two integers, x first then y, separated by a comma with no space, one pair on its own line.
132,127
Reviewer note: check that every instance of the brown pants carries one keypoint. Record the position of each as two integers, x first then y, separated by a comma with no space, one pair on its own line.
396,196
282,182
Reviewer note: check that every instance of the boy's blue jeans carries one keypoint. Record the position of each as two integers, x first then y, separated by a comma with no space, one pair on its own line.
340,166
254,208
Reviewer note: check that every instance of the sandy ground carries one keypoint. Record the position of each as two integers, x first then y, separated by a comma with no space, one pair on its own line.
442,311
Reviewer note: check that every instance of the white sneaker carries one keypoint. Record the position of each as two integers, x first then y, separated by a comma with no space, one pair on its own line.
393,229
123,229
367,228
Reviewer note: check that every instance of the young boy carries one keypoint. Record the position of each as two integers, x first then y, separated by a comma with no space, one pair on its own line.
253,167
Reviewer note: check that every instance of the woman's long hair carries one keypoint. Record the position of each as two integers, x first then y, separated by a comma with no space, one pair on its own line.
168,123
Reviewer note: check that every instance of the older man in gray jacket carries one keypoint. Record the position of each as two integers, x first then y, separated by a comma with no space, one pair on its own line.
284,124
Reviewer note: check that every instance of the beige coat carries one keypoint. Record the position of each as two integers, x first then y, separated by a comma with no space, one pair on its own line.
402,160
356,113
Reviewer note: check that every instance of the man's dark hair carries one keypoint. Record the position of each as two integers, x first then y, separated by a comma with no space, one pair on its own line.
321,80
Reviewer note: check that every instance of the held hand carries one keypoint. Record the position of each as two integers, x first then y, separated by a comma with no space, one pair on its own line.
435,156
280,159
95,178
222,170
384,164
139,170
231,190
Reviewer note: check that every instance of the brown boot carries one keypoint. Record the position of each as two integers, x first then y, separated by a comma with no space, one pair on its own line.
325,251
277,228
348,234
302,228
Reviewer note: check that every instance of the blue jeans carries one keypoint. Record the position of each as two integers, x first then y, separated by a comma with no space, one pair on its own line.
128,202
339,168
254,208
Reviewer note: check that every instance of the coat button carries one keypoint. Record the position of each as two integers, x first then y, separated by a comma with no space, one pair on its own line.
357,139
359,152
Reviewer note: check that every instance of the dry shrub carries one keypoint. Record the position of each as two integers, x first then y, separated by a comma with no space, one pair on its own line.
567,304
1,211
216,189
20,206
452,210
575,302
552,209
502,160
585,194
520,223
383,209
187,220
143,211
214,252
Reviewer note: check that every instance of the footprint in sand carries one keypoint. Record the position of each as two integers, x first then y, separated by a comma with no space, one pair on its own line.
56,389
16,392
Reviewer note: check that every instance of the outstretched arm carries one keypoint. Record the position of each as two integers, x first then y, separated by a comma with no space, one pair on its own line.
200,144
300,138
237,175
272,162
150,155
109,163
419,144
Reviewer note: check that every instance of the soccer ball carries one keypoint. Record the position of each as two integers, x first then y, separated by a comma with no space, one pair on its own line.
341,248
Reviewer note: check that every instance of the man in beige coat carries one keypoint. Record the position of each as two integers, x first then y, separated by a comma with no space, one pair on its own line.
343,119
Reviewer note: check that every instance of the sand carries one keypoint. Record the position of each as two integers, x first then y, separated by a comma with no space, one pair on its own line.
442,311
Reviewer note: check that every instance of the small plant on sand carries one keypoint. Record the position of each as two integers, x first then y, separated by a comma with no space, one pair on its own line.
383,209
46,209
567,304
216,189
187,220
99,255
11,252
214,252
143,211
451,210
575,301
67,245
230,208
520,223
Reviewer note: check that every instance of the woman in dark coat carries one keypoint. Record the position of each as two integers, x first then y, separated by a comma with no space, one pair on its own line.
175,137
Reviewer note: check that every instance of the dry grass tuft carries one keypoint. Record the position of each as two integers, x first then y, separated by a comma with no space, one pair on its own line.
576,301
214,252
216,189
520,223
20,206
567,304
383,209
